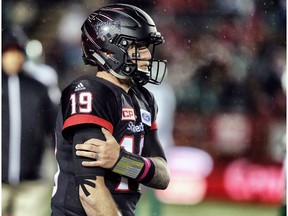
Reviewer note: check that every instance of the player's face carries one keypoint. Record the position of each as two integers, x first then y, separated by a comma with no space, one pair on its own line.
143,56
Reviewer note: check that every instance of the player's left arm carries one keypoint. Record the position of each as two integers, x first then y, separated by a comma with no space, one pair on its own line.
150,169
154,152
161,177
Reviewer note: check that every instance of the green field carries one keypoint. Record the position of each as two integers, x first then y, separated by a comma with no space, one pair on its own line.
148,206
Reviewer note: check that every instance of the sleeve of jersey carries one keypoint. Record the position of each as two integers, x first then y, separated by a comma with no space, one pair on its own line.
154,106
81,136
94,104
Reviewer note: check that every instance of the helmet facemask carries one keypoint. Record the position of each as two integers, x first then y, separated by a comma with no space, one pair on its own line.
156,69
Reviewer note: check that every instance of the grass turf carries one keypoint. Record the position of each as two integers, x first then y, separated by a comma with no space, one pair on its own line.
148,206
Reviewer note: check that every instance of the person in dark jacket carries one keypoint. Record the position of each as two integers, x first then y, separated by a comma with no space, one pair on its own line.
27,124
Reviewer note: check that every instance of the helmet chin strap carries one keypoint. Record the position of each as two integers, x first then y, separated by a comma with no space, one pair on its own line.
102,61
118,75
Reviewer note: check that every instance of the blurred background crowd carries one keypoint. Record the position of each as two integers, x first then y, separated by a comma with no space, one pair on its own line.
226,75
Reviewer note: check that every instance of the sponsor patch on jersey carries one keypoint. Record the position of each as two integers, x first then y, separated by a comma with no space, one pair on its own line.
128,114
135,128
146,117
80,87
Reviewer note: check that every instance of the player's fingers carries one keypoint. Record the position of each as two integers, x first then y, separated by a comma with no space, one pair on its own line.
91,163
86,147
106,133
93,141
88,154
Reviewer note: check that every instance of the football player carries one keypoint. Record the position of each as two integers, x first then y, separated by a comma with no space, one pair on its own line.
114,115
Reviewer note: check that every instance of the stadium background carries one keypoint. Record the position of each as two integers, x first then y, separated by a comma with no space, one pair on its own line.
227,67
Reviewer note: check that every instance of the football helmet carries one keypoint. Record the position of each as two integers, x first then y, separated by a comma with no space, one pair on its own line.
112,29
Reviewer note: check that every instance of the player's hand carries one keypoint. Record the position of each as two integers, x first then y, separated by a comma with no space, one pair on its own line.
105,153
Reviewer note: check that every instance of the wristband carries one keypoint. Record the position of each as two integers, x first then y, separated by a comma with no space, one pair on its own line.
128,164
134,166
146,168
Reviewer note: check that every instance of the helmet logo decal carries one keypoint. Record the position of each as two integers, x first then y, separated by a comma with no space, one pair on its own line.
103,28
92,17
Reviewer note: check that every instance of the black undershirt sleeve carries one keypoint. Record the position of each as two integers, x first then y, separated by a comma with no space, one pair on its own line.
81,135
152,146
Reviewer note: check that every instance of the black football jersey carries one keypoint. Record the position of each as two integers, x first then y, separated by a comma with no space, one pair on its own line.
128,116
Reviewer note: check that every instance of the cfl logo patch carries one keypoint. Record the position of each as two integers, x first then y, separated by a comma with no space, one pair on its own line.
128,114
145,117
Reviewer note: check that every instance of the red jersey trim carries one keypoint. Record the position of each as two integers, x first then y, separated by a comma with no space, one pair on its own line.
154,126
87,119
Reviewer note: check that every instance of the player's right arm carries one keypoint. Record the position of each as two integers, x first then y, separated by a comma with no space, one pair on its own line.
95,197
84,113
